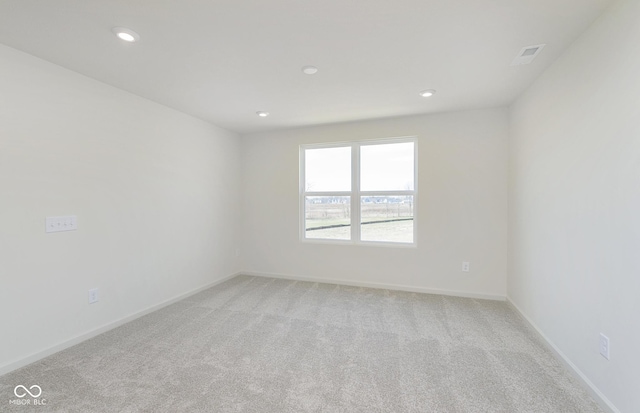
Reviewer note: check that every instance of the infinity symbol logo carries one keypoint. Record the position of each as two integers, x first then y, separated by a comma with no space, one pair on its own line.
25,391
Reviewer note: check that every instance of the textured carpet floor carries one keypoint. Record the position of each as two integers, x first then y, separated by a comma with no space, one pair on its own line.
264,345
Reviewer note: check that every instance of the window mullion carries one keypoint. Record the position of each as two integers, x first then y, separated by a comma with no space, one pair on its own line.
355,193
302,212
327,193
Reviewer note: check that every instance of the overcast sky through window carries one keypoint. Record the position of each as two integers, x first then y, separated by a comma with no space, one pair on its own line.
385,167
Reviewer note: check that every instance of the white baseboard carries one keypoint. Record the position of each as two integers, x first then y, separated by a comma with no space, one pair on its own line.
600,398
92,333
396,287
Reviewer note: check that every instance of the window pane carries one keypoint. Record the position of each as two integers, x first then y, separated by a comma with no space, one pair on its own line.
386,218
327,169
327,217
387,167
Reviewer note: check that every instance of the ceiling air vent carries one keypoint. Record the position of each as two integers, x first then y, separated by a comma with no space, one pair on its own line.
527,54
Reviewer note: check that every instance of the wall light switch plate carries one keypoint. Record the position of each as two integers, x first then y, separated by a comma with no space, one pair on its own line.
465,266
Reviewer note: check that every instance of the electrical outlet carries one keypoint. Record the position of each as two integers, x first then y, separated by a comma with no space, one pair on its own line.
93,296
58,224
465,266
604,346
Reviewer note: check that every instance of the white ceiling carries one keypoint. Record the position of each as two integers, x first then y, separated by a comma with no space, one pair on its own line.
223,60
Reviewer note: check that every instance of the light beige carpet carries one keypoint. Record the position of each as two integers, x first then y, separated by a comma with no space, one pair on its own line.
265,345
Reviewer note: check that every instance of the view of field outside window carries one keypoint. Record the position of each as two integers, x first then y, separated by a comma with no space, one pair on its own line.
328,217
328,170
386,204
388,167
386,218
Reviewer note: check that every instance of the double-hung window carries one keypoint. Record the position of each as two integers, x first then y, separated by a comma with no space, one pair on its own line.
359,192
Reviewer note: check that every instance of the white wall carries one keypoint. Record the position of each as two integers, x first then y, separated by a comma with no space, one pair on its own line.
155,192
574,226
462,212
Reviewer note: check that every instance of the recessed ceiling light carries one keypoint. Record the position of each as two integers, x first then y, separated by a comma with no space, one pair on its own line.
309,70
427,93
527,54
262,114
125,34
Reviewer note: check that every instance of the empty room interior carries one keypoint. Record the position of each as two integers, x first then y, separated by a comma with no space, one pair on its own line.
320,206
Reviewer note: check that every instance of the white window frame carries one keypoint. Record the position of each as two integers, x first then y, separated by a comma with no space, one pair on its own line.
355,193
